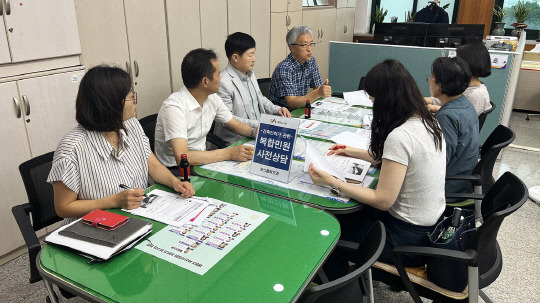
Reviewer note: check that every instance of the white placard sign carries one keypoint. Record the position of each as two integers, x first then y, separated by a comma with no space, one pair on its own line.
274,147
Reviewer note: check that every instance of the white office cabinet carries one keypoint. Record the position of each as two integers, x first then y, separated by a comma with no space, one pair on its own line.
280,25
48,106
214,27
294,5
323,24
278,6
132,35
39,29
4,47
147,37
184,30
345,3
37,113
15,151
239,16
103,32
344,24
260,30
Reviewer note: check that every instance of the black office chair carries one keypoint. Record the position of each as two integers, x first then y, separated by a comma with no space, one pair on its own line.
356,285
482,117
482,174
148,124
264,85
482,257
215,141
360,87
39,212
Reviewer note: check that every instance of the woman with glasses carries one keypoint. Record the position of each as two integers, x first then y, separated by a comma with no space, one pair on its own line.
408,144
106,150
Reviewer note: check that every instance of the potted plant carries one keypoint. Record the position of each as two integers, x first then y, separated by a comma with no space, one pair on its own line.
521,13
499,13
393,19
378,16
409,16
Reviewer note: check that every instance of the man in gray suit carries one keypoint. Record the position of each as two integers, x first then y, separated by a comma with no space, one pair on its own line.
239,88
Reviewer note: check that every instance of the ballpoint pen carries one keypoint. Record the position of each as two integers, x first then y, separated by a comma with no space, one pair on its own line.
127,187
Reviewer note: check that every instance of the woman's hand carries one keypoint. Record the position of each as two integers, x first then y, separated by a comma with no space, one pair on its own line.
130,198
184,188
320,177
344,150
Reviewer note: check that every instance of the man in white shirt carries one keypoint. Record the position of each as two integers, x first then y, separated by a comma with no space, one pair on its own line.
187,115
239,88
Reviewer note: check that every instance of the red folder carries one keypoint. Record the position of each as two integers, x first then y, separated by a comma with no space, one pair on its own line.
104,219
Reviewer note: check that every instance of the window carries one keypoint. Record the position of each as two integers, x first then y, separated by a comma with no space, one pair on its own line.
533,21
399,8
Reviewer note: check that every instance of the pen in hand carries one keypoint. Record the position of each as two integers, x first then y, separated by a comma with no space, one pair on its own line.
127,187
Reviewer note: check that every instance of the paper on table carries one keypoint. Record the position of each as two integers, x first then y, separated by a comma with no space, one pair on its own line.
330,105
359,97
352,139
313,156
171,208
309,124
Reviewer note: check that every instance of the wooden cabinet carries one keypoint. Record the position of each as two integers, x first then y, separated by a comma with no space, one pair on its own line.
323,24
37,113
344,24
214,27
133,35
38,29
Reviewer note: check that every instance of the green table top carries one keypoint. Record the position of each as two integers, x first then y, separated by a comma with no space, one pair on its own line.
294,195
287,249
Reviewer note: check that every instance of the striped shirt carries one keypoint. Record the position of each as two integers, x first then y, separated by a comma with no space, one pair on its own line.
89,165
290,78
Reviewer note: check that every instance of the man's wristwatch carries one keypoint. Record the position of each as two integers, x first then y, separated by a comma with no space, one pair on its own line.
335,188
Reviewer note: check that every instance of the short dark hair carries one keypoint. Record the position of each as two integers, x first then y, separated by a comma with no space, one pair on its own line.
238,43
477,56
101,97
196,65
396,99
452,74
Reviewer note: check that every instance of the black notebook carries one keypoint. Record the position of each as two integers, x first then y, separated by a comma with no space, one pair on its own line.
109,238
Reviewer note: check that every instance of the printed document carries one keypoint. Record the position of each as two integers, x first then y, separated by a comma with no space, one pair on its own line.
170,208
359,97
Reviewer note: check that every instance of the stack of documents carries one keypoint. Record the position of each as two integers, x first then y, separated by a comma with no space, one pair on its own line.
98,244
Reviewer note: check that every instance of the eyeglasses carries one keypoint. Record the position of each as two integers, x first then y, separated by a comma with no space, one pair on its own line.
134,98
305,45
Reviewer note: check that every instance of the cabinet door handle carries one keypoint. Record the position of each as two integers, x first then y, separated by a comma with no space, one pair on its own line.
136,68
344,29
17,107
288,20
8,7
27,104
128,69
322,32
